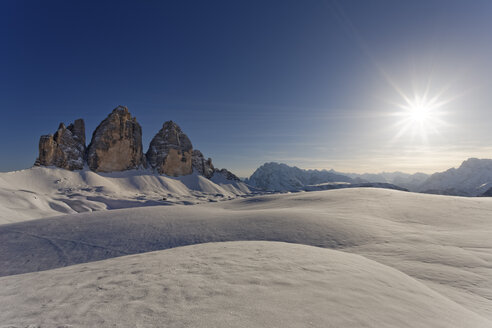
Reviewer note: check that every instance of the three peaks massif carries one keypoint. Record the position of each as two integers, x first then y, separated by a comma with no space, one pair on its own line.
116,145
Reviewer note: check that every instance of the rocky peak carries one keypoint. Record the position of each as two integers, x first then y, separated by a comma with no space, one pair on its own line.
202,165
116,143
64,149
170,151
475,163
78,129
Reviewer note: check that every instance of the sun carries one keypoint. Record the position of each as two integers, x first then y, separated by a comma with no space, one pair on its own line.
419,116
419,113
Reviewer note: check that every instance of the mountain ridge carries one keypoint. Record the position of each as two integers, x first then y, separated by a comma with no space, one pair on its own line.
472,178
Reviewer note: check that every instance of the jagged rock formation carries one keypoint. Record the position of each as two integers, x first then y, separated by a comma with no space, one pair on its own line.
202,165
116,143
64,149
170,151
227,174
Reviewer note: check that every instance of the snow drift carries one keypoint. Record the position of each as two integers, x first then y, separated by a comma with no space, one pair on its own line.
237,284
45,191
441,242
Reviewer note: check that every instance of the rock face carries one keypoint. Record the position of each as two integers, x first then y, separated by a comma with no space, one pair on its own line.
170,151
116,143
202,165
64,149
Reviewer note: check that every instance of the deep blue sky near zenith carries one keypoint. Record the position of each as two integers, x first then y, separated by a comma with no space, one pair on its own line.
308,83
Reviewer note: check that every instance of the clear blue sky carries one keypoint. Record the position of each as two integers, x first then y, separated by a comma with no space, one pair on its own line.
309,83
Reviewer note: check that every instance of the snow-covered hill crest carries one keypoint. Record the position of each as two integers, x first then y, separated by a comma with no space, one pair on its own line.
47,191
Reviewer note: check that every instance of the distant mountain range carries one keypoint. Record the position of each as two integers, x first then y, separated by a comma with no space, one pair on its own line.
472,178
405,180
281,177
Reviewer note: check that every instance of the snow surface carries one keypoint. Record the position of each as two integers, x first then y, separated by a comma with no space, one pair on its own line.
236,284
434,267
44,191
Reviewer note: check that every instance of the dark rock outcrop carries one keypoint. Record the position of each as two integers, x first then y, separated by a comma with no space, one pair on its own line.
116,143
170,151
201,165
488,193
64,149
226,174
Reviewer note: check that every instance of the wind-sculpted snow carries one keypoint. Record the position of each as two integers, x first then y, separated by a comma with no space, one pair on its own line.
43,192
66,240
237,284
442,241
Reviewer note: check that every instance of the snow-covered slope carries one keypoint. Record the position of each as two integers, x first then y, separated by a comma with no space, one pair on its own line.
42,191
281,177
236,284
441,242
472,178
